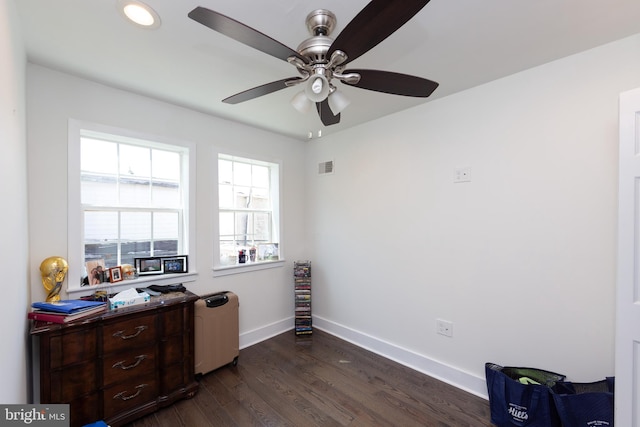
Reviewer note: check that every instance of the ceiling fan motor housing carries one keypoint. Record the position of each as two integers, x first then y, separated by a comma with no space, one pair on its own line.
320,24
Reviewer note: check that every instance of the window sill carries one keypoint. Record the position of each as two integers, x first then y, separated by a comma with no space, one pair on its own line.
226,270
141,282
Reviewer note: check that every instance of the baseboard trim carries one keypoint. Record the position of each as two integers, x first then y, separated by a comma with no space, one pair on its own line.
247,339
448,374
441,371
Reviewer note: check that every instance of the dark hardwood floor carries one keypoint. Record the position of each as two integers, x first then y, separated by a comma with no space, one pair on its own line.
320,381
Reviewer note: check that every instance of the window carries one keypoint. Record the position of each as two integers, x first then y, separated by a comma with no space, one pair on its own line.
133,200
248,220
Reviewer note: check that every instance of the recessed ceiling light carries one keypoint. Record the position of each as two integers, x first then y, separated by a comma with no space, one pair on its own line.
139,13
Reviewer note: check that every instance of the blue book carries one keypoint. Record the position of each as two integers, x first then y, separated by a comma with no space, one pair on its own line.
66,306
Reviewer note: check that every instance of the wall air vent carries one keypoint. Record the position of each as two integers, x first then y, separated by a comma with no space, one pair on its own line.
325,168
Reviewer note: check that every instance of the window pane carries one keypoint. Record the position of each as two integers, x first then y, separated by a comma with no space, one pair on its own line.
241,197
166,165
225,172
98,156
260,176
135,191
260,199
98,190
135,226
107,252
166,194
135,161
132,250
166,225
100,226
165,248
241,174
225,196
262,226
243,222
226,224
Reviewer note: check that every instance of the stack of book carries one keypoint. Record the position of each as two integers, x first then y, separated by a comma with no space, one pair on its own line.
65,311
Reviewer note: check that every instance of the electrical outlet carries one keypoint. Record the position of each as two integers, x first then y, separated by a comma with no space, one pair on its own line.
444,327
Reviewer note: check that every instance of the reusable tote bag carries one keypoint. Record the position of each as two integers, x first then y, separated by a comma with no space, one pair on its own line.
521,396
585,404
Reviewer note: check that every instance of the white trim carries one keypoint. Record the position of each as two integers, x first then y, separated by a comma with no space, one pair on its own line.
244,268
433,368
142,282
263,333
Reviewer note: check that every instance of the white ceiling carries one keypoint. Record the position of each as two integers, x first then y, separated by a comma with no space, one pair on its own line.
458,43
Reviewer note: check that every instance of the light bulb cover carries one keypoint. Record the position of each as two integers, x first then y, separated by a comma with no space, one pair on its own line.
338,101
301,103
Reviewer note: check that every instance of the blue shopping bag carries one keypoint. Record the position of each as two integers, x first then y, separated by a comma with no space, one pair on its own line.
521,396
585,404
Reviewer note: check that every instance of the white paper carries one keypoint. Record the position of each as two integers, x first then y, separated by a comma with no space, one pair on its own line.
126,295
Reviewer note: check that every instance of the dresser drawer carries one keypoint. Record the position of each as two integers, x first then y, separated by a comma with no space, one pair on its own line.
128,365
123,397
71,382
128,333
72,347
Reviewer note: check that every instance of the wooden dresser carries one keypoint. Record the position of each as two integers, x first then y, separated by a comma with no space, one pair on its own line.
122,364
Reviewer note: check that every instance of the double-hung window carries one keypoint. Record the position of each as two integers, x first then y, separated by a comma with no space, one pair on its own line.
134,200
248,202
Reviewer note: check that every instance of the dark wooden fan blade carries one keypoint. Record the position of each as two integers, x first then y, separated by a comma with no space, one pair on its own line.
326,115
259,91
377,21
242,33
394,83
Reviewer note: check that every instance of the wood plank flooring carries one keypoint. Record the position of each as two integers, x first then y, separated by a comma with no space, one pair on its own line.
320,380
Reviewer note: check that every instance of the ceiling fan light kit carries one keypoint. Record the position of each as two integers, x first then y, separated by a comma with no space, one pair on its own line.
321,60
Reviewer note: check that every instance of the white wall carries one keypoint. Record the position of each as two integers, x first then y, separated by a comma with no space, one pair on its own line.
521,259
14,214
266,303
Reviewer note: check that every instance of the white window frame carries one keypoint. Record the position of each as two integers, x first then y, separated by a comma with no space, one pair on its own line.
276,195
75,255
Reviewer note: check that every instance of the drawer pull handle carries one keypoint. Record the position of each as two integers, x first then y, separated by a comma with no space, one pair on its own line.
122,396
120,364
120,334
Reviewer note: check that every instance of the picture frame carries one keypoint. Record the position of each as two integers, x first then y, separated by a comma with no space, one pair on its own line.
96,272
176,264
268,252
148,266
115,274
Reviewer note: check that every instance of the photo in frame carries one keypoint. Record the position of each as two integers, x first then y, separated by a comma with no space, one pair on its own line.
97,273
115,274
177,264
268,252
147,266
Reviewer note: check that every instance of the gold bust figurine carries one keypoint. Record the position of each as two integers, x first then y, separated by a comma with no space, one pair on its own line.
53,270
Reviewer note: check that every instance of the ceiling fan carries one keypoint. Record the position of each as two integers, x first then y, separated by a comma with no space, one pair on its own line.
321,60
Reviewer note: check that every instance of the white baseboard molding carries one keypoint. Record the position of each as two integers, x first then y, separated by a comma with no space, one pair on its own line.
265,332
448,374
